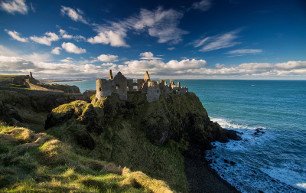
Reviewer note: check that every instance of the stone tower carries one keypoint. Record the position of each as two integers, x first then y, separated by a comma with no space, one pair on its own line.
103,88
146,76
120,86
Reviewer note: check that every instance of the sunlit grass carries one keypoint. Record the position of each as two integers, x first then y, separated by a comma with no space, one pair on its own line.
31,162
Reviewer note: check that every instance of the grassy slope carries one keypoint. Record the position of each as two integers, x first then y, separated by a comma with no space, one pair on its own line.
38,162
124,142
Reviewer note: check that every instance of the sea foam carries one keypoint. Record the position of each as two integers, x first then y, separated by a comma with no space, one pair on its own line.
248,174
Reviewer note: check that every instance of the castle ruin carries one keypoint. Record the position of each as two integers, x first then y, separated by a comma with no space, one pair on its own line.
121,85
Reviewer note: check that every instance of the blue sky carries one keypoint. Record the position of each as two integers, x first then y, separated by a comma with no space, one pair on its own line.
234,39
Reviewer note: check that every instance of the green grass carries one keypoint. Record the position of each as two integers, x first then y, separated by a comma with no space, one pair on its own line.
38,162
124,142
54,161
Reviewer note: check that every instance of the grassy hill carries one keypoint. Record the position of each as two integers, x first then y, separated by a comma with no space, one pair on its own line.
38,162
60,144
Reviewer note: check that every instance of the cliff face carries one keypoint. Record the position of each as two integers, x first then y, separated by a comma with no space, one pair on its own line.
150,137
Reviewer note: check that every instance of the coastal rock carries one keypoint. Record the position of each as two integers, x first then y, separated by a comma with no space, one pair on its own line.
258,132
232,163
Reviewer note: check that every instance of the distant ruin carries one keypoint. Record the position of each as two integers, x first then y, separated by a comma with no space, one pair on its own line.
29,82
121,85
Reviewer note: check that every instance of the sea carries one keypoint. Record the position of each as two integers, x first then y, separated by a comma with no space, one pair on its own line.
270,116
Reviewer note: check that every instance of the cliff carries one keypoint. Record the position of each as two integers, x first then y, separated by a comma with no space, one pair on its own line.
64,144
150,137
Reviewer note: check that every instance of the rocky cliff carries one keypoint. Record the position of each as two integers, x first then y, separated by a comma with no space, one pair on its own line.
150,137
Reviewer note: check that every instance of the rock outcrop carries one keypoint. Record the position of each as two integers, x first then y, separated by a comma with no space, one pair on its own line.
180,118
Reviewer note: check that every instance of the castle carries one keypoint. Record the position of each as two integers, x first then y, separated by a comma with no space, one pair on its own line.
121,85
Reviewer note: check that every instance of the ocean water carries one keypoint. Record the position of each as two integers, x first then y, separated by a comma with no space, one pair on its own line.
273,160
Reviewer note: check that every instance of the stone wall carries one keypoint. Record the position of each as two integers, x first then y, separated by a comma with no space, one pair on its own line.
153,91
103,88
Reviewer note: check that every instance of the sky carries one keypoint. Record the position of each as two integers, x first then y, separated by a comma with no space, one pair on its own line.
200,39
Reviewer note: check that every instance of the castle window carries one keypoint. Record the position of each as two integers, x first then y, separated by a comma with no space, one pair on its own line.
117,87
100,89
135,87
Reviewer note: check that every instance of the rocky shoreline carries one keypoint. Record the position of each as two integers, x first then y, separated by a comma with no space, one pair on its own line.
201,177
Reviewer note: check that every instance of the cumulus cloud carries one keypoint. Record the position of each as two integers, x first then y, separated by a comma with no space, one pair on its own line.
112,37
158,67
203,5
161,24
148,56
72,48
217,42
16,36
74,14
47,39
14,6
107,58
44,66
65,35
241,52
56,50
67,60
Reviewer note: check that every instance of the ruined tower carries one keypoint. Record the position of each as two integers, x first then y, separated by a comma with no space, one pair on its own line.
120,86
146,76
103,88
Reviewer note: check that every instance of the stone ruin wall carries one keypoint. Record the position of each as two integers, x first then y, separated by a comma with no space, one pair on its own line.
121,85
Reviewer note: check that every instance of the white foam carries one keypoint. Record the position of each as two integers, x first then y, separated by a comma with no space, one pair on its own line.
245,174
247,134
228,124
287,176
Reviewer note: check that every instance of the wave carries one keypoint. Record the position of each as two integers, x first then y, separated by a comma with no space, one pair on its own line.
251,135
288,174
246,163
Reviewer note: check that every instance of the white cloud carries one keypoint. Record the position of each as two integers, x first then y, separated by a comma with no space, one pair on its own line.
217,42
43,66
56,50
203,5
14,6
47,39
148,56
67,60
71,48
107,58
171,48
74,14
65,35
161,24
114,38
16,36
240,52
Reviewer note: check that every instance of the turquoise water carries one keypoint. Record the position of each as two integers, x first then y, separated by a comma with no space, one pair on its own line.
272,161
